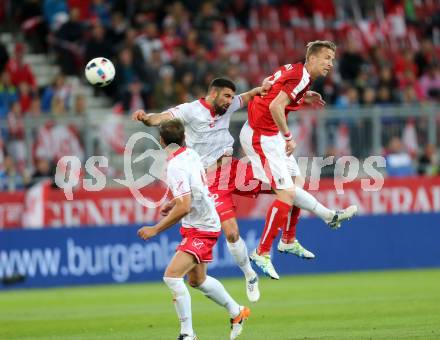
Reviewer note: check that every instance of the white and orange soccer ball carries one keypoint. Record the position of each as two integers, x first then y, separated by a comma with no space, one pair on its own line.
100,72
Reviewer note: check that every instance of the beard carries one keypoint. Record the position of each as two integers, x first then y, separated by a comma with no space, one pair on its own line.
220,110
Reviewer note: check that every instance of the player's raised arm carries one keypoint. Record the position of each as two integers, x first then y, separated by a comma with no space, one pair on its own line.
151,119
246,96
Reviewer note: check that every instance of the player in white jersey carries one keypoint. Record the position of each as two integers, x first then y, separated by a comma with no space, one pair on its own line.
200,230
207,123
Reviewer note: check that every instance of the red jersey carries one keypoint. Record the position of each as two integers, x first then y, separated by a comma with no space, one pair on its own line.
294,80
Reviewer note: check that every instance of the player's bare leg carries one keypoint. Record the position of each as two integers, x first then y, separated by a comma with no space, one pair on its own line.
214,290
238,249
180,265
288,243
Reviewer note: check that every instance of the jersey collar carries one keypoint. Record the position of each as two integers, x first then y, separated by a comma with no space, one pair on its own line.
209,107
177,152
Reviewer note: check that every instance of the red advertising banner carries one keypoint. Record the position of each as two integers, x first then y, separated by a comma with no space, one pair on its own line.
397,195
48,207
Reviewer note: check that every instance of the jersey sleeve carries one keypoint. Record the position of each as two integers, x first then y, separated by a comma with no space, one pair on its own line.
294,85
182,112
237,103
178,181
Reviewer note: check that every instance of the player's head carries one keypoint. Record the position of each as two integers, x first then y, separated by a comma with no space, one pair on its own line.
172,132
319,57
221,91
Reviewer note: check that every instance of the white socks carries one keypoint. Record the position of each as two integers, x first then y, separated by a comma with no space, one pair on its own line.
239,252
307,202
182,302
214,290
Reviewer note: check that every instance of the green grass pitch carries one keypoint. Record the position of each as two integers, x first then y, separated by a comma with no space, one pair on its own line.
369,305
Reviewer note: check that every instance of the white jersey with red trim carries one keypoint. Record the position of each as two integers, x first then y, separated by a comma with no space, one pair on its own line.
186,176
206,132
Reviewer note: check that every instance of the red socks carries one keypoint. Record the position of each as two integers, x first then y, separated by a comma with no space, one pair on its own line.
289,229
276,218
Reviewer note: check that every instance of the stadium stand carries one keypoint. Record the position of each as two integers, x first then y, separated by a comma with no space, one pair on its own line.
388,59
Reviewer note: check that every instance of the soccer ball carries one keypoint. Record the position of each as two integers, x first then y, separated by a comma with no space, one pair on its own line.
100,72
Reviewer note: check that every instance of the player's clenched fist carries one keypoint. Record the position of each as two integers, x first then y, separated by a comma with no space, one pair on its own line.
146,233
138,115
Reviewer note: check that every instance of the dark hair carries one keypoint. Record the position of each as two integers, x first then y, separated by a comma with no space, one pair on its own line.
220,83
314,47
172,131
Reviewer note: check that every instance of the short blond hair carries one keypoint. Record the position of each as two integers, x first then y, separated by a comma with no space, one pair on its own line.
314,47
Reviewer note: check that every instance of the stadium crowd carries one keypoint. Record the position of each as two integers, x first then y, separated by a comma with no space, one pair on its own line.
168,52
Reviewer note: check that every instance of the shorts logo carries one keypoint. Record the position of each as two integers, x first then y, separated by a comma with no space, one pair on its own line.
197,243
281,181
183,241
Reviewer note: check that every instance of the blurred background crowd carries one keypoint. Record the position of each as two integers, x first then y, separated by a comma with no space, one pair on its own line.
167,52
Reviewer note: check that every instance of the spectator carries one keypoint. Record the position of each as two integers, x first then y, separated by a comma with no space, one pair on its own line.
384,96
19,71
44,170
8,94
35,108
428,164
25,97
16,142
135,97
368,97
10,178
58,107
80,105
351,62
181,64
430,83
58,89
52,11
117,29
149,41
101,10
387,80
170,41
185,88
68,43
348,99
126,69
398,161
4,57
425,57
204,22
165,92
234,73
98,45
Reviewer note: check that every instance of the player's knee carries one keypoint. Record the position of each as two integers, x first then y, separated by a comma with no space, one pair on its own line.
194,282
232,236
286,196
230,230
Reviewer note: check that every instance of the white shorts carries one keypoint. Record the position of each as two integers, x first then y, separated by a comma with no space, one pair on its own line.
267,154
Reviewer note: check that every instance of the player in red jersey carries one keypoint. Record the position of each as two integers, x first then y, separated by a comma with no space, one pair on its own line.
269,144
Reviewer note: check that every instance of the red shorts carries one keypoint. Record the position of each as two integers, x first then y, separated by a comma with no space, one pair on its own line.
198,243
232,177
